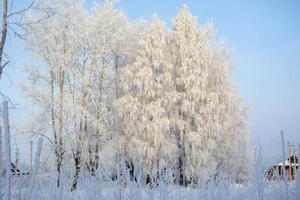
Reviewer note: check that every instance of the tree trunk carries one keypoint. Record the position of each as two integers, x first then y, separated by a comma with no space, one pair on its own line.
3,35
56,143
77,170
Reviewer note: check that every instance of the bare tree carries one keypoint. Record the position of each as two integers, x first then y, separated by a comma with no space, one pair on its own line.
11,20
13,23
3,35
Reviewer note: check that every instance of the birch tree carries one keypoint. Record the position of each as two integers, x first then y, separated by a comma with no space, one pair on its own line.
11,21
206,113
52,42
78,53
150,146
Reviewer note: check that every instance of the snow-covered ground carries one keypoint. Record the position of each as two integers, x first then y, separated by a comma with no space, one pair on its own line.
91,188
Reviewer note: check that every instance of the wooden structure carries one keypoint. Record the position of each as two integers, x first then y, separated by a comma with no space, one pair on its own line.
289,167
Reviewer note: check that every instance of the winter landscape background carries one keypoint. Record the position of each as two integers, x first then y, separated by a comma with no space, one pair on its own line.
186,103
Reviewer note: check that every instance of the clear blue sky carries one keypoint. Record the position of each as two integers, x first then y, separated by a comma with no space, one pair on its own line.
265,36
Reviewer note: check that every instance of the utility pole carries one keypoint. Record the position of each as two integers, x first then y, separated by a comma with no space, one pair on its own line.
292,159
283,166
292,148
7,191
30,194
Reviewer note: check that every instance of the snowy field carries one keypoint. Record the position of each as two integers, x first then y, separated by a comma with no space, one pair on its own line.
90,188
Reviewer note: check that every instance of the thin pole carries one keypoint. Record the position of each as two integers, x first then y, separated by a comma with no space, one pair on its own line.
290,157
283,165
30,194
17,161
5,117
1,160
30,164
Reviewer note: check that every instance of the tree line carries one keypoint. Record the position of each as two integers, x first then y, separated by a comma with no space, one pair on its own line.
116,96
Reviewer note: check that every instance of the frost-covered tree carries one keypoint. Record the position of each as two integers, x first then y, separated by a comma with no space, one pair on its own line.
78,55
114,96
113,41
206,116
149,144
53,43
